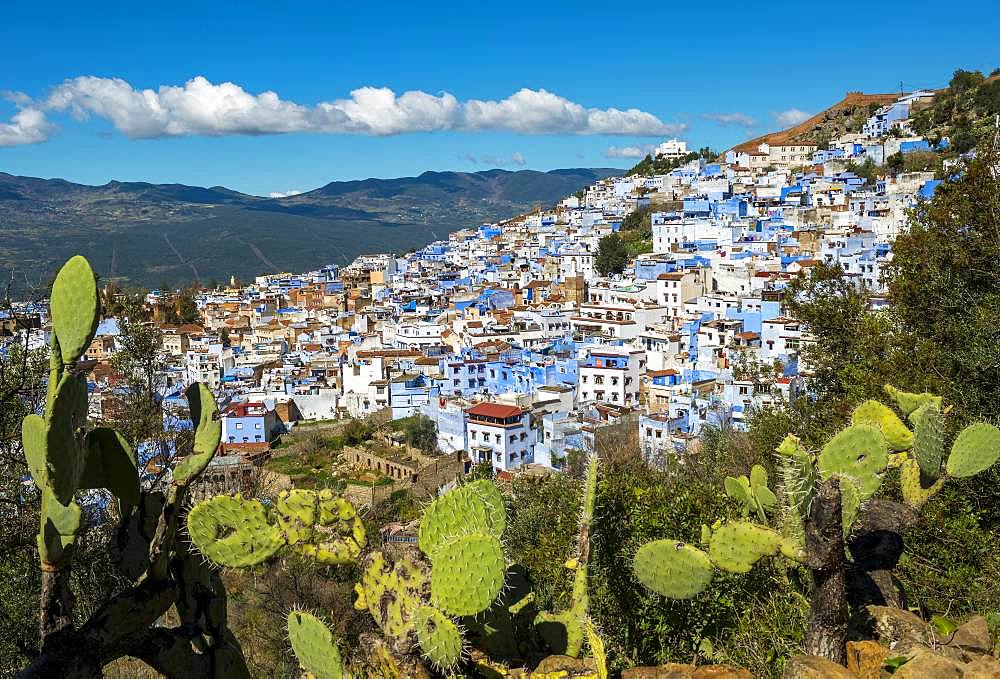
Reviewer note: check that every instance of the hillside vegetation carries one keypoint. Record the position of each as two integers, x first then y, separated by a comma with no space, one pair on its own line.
142,234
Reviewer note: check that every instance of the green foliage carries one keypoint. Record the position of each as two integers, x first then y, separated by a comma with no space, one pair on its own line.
649,165
612,255
943,292
421,432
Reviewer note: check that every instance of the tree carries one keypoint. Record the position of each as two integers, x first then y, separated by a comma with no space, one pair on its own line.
942,283
612,255
847,355
421,432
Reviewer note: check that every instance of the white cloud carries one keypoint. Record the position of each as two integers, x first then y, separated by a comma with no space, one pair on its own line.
736,118
516,158
629,151
28,126
284,194
200,107
791,117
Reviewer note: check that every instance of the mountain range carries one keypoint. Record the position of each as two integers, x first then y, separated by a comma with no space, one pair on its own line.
141,234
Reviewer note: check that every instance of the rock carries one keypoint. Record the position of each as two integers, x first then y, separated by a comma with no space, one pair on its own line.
720,672
668,671
974,635
574,667
982,668
866,658
814,667
897,628
926,664
679,671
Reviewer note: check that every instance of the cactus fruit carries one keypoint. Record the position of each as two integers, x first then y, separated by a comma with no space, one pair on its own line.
207,433
467,574
673,569
908,402
75,308
858,451
313,645
473,508
233,532
736,546
439,637
878,415
976,449
928,438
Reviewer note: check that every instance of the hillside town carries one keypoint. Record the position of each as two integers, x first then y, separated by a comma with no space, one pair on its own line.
515,343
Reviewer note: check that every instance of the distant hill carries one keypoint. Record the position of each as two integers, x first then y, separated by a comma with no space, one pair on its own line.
145,234
847,115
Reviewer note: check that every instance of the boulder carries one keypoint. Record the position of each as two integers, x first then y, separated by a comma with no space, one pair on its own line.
925,664
974,636
866,658
668,671
815,667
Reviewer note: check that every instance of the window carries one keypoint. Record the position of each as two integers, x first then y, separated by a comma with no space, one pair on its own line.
239,425
258,425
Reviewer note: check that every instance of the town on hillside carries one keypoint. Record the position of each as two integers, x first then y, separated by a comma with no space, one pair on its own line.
651,304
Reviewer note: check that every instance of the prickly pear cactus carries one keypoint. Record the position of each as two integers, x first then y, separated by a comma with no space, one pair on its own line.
233,532
928,438
673,569
320,525
467,574
313,645
207,433
439,637
736,546
565,631
976,449
860,452
880,416
909,402
473,508
75,308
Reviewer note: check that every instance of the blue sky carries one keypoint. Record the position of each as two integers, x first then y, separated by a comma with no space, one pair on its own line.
529,85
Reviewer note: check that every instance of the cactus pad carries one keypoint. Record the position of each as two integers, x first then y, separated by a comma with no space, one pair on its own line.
976,449
859,451
928,438
736,546
59,527
313,645
880,416
111,464
909,402
439,637
321,525
850,502
467,574
75,308
207,433
738,488
911,483
391,593
34,433
672,568
233,532
65,456
472,508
